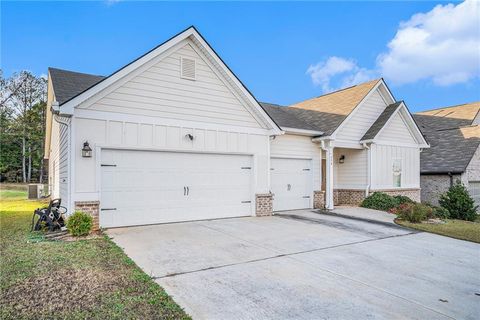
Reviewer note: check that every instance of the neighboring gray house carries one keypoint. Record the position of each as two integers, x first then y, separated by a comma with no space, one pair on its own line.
454,154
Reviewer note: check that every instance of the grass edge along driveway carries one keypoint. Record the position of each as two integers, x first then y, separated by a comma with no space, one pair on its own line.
87,279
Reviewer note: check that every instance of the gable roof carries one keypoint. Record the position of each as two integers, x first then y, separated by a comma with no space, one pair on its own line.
67,84
381,121
452,135
192,34
448,117
336,106
451,150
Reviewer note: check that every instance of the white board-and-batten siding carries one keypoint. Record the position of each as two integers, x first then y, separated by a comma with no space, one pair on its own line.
382,158
298,147
145,136
161,92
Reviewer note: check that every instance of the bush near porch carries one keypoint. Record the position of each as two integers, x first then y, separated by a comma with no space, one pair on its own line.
86,279
415,215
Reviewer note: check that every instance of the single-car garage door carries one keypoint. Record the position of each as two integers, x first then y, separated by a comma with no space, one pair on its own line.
291,183
147,187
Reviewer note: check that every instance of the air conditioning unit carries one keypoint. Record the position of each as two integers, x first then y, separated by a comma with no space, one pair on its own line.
35,191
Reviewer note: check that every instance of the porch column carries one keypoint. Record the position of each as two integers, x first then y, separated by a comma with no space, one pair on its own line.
329,177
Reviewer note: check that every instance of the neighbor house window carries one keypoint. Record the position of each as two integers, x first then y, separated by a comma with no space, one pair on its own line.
397,173
474,189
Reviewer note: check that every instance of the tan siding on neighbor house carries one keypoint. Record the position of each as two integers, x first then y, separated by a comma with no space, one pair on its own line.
161,92
364,116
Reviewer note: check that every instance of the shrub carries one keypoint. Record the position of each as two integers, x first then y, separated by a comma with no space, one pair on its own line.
414,212
379,201
458,202
79,223
403,199
400,208
441,213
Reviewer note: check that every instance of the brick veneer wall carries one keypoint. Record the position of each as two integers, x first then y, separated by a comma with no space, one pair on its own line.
264,204
434,185
92,208
349,197
318,199
354,197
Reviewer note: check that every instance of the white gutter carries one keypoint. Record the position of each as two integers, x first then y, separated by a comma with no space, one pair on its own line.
302,131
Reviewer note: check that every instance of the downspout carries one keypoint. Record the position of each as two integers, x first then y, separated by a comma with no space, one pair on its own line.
369,168
451,179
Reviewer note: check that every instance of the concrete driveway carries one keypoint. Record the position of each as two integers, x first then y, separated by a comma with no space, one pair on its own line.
305,265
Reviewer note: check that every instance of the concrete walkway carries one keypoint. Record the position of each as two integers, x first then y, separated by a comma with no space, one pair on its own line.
364,213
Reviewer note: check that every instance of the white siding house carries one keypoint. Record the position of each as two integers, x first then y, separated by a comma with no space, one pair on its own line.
175,136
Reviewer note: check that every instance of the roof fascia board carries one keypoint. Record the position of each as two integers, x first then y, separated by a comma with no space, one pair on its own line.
236,80
302,132
355,110
414,127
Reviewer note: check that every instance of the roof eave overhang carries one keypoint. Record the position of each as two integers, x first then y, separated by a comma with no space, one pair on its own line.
432,173
302,132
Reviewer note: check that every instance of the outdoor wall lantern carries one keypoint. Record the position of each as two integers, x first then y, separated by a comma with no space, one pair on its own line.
341,159
86,150
190,136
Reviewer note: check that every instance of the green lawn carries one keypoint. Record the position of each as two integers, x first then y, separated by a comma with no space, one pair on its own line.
88,279
8,194
459,229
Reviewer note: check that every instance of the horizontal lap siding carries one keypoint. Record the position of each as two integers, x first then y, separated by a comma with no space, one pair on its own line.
382,163
397,131
161,92
296,146
352,174
63,164
363,118
53,161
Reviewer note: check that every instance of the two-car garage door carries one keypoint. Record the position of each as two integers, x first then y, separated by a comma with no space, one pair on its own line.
146,187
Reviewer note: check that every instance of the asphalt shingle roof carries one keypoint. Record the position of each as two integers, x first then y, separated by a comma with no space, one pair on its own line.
381,121
334,107
286,117
68,84
452,135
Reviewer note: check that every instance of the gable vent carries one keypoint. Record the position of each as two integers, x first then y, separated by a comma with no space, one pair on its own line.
187,69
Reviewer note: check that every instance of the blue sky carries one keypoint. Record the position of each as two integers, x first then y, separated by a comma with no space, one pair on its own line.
283,52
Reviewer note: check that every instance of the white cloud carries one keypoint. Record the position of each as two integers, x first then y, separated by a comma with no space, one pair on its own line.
337,72
442,46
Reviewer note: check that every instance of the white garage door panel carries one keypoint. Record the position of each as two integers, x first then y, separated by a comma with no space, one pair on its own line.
145,187
291,183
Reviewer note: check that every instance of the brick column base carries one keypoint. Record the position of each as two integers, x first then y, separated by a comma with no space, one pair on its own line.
264,204
92,208
318,199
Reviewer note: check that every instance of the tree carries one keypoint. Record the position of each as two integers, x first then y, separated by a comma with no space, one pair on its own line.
22,103
459,203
